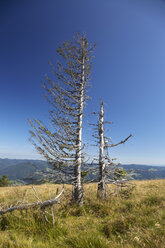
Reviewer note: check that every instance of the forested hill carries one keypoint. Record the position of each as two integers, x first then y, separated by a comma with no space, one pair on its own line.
22,169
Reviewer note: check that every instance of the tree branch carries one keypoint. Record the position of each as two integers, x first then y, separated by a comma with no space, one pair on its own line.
40,204
121,142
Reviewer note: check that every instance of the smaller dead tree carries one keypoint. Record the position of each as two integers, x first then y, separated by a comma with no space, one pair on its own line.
102,165
106,174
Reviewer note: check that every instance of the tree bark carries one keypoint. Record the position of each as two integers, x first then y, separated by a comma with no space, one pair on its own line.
78,191
101,193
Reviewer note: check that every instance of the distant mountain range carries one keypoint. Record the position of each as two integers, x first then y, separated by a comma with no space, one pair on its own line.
24,170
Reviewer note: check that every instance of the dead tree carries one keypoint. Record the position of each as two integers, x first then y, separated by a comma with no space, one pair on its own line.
105,162
61,143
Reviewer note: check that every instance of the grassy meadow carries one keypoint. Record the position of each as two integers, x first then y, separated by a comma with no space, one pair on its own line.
135,220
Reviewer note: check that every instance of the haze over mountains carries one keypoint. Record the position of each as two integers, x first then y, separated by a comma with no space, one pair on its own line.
24,169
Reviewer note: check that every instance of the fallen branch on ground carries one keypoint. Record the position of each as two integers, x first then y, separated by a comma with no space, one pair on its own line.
40,204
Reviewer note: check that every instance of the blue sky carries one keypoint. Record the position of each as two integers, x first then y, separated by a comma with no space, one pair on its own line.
128,70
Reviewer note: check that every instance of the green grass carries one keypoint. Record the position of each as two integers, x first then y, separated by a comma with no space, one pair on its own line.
122,221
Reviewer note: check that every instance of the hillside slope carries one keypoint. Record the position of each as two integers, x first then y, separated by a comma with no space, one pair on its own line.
122,221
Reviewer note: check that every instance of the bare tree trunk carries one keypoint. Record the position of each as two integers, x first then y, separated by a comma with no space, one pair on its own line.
101,193
78,191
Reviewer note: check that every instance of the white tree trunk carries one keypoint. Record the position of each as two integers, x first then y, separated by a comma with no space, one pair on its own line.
78,191
102,167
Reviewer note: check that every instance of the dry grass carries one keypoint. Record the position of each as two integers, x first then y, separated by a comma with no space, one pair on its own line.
120,221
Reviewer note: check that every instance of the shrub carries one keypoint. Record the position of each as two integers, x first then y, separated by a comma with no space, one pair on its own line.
4,181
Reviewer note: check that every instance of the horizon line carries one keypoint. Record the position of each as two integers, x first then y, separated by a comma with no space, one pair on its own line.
148,164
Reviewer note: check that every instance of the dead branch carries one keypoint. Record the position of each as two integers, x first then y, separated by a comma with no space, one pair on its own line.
121,142
40,204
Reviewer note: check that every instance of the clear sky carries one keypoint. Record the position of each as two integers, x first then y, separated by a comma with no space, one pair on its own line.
128,70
